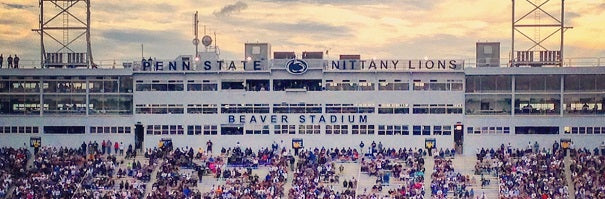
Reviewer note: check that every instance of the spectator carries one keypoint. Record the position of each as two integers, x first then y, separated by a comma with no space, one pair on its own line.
9,61
16,61
1,60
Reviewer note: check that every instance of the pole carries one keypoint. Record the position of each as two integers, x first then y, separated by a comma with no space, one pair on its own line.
41,32
562,30
142,52
512,46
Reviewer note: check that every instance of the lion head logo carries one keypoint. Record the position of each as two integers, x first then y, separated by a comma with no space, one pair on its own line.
296,66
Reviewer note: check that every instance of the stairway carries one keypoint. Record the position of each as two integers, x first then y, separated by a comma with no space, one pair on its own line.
568,178
429,163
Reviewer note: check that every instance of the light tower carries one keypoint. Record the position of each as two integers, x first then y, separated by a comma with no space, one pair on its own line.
64,28
535,50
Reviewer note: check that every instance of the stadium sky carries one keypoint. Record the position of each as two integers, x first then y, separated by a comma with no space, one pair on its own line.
374,29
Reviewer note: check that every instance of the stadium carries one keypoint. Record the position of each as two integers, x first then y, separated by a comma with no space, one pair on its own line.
286,124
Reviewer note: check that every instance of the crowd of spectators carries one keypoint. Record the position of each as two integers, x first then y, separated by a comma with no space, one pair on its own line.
12,167
446,180
316,175
406,166
241,182
532,173
171,181
588,173
11,62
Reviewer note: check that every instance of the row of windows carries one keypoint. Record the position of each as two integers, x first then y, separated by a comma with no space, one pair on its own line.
103,104
298,108
109,129
159,109
199,130
19,129
535,104
297,129
584,130
308,85
488,130
121,84
157,85
165,130
533,83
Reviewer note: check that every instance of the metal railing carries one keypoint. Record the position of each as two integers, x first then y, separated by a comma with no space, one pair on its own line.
468,63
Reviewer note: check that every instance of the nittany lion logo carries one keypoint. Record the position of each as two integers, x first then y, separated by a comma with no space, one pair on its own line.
296,66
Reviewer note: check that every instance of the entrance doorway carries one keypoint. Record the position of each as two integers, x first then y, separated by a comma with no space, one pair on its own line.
459,137
139,137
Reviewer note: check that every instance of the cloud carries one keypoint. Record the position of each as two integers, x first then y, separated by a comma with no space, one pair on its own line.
231,8
16,6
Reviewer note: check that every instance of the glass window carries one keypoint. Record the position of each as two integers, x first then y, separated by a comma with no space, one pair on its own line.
584,104
488,84
488,104
537,104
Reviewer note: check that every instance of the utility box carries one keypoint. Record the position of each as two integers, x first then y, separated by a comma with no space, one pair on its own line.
488,54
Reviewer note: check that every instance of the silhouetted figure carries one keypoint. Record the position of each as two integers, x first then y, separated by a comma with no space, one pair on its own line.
9,62
16,61
1,60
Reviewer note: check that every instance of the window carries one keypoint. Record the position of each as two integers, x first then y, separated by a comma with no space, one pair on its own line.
488,104
110,104
584,104
244,108
65,104
159,109
309,129
257,129
232,130
18,129
64,129
420,86
15,104
297,85
210,129
488,84
393,109
159,85
538,83
350,108
393,85
537,104
426,130
337,129
232,85
540,130
257,85
164,130
203,85
416,130
437,130
362,129
202,108
297,108
109,129
284,129
584,83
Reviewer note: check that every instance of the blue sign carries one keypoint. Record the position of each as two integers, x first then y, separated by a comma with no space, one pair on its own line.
297,66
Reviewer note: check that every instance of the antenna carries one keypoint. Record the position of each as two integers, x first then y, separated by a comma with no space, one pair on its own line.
67,18
196,40
539,51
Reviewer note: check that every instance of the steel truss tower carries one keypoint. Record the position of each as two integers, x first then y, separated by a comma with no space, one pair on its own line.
537,53
64,28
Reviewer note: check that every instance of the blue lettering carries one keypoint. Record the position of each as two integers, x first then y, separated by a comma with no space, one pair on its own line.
301,119
253,119
372,65
231,119
335,64
231,66
263,118
159,65
242,119
207,65
322,119
186,65
333,118
284,119
220,64
312,118
146,65
363,119
351,118
273,119
353,63
172,65
257,65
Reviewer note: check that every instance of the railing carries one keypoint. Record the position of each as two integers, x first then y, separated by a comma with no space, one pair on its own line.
468,63
569,62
